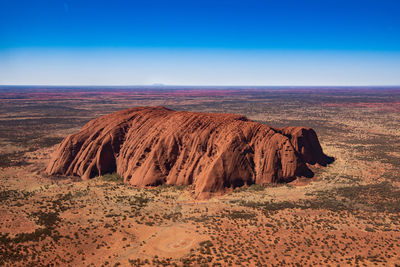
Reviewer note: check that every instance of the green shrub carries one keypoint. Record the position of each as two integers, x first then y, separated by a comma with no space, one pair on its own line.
256,187
112,177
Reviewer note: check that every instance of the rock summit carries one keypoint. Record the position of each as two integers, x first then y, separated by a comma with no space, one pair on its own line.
150,146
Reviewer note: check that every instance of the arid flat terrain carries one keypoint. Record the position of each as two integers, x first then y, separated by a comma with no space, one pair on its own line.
348,214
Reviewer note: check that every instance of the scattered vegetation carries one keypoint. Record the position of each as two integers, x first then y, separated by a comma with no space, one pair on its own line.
112,177
345,217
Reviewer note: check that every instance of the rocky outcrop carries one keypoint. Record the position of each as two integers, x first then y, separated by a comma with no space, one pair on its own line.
149,146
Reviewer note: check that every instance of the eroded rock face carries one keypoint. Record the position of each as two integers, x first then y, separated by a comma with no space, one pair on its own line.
150,146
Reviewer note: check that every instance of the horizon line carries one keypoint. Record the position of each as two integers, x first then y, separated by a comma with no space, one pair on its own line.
188,85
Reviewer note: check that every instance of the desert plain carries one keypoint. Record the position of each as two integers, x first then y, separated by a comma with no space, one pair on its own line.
348,214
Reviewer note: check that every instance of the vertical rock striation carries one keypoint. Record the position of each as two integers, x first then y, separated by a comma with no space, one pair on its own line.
149,146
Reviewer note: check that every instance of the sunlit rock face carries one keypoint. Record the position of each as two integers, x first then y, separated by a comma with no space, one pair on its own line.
150,146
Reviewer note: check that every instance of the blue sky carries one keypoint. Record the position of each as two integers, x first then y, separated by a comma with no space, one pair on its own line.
285,42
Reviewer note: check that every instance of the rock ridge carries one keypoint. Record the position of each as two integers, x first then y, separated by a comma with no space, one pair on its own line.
150,146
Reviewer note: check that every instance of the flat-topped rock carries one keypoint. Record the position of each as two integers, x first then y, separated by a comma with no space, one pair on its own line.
150,146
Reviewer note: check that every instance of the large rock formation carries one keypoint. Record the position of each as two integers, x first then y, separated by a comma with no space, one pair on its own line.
149,146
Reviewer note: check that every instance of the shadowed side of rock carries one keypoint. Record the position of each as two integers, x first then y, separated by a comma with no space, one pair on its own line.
149,146
306,143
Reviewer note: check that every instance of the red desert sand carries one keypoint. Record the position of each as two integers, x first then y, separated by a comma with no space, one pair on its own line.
150,146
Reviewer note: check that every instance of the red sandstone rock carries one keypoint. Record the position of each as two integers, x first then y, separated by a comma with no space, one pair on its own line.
150,146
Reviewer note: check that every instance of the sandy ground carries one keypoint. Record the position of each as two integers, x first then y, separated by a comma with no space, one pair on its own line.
347,215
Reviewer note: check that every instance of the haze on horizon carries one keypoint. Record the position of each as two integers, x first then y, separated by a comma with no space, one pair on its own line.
310,42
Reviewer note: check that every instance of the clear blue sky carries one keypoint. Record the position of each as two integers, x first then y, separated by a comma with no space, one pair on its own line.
278,42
